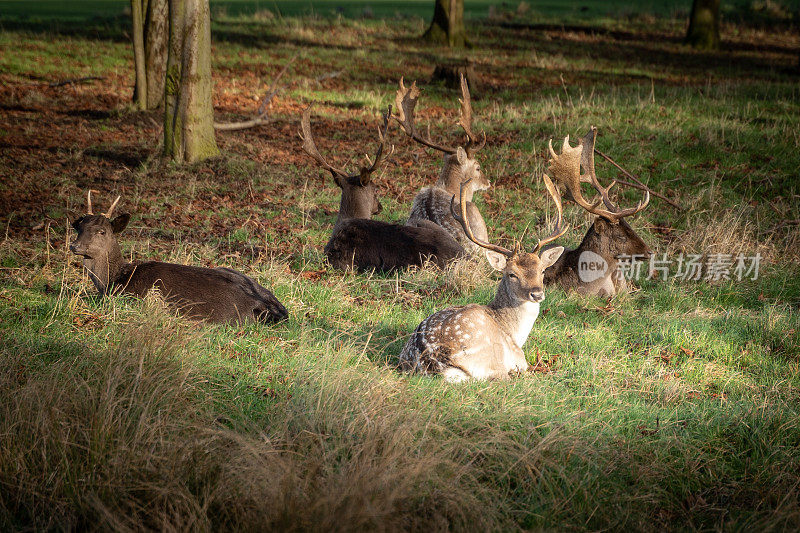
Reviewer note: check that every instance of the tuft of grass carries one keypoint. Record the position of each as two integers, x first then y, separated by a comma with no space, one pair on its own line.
137,436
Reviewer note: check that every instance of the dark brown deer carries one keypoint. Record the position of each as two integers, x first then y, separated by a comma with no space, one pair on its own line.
485,341
591,268
460,166
211,294
357,241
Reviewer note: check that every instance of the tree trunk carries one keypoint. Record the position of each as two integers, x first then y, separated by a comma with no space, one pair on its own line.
188,116
155,51
149,51
140,89
703,31
447,26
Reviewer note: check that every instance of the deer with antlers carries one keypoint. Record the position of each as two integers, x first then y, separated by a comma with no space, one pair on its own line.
432,204
356,240
485,341
591,268
220,295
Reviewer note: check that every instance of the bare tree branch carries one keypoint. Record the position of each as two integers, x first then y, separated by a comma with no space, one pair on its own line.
261,115
638,185
74,80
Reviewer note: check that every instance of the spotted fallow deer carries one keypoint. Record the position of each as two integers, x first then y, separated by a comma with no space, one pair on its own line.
591,268
433,203
485,341
217,295
357,241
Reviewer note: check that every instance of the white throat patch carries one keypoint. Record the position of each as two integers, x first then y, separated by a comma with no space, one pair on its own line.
528,312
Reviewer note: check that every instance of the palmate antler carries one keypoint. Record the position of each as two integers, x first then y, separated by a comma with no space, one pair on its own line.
364,174
463,219
566,169
465,121
405,103
558,231
108,213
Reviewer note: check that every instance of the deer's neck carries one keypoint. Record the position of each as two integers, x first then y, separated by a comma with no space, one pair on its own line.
350,208
104,270
603,245
451,177
515,317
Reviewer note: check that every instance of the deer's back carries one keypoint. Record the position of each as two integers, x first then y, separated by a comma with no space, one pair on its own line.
367,244
433,203
211,294
462,343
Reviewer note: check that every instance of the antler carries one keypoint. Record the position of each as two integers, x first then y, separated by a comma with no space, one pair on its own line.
108,213
558,231
363,175
310,148
465,120
463,220
566,168
405,102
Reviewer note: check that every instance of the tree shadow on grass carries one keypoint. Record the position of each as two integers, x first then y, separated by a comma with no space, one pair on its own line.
664,54
622,35
96,28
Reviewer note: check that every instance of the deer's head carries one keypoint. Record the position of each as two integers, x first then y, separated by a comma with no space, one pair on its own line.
615,235
523,273
620,238
359,194
97,234
460,164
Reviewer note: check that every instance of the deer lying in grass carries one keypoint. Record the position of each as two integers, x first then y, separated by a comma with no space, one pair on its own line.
485,341
433,203
210,294
591,268
357,241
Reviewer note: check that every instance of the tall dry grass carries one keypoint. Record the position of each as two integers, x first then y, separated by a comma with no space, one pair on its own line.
727,231
135,438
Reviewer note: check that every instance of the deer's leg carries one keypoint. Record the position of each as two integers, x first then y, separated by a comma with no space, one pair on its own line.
452,374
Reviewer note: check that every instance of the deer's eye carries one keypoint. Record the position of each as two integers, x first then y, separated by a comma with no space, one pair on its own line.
512,276
101,232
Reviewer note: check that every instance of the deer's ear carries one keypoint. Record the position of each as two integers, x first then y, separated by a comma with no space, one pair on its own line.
550,256
496,261
121,222
461,155
365,178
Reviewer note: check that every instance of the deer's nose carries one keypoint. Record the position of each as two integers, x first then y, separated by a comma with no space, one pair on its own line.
536,295
77,249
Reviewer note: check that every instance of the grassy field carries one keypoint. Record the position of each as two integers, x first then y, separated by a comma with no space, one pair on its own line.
56,10
676,406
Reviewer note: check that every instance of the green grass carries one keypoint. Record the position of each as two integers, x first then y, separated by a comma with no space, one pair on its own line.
672,407
86,9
